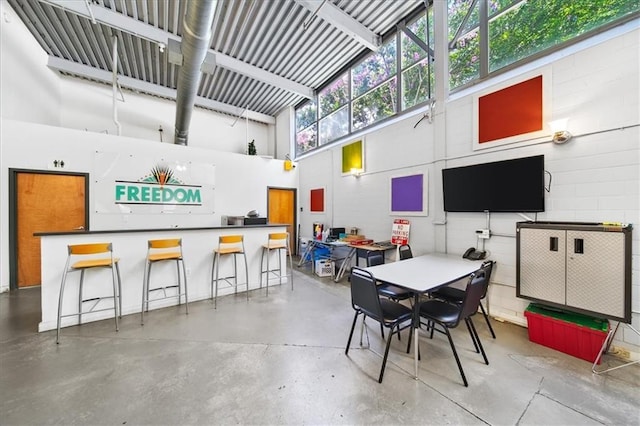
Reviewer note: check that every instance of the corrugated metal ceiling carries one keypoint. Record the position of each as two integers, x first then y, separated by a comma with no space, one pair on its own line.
265,58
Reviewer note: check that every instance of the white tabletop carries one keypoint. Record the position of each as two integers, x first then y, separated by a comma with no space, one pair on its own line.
424,273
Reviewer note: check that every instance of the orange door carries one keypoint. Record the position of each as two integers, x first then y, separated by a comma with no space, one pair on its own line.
282,209
45,202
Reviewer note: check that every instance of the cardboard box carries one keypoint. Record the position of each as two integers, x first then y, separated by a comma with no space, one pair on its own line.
324,268
574,334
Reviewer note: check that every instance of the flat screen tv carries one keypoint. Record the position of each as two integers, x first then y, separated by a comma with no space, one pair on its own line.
515,185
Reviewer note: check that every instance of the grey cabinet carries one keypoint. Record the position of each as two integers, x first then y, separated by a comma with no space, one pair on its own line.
576,266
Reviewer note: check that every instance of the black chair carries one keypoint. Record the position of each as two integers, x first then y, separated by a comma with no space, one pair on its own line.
456,295
447,315
405,252
366,301
387,290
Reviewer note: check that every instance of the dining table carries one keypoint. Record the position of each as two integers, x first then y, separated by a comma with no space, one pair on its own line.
423,274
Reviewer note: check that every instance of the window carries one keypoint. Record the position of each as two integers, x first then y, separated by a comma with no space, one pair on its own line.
531,26
374,86
306,128
333,112
519,29
374,89
368,92
417,76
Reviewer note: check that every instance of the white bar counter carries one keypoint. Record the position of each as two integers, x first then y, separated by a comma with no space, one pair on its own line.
130,246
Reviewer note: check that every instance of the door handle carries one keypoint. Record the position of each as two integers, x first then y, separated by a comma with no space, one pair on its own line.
79,228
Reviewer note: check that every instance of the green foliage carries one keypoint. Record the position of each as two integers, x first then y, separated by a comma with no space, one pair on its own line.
252,148
517,30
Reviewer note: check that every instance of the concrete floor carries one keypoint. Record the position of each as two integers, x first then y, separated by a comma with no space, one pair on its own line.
280,360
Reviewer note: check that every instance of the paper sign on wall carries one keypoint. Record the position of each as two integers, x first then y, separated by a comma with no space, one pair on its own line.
400,232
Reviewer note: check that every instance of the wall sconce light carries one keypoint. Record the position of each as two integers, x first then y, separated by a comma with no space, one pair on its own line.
288,165
356,172
560,132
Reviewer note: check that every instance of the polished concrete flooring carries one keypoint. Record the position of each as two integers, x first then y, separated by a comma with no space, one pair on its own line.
280,360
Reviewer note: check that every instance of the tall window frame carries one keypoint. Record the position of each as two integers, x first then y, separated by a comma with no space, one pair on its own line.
475,37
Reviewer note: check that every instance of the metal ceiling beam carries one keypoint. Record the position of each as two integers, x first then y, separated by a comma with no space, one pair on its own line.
96,74
161,37
335,16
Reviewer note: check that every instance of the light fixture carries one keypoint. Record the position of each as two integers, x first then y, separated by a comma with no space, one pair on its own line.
288,164
560,132
356,172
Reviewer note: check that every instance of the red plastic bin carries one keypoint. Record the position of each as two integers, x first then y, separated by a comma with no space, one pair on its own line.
574,334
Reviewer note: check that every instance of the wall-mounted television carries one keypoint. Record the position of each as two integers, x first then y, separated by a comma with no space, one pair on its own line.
515,185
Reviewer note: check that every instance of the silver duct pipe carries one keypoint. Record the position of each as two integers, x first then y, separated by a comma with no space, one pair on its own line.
195,44
114,64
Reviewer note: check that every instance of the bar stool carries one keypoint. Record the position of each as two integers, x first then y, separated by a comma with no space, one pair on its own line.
84,258
162,251
228,245
276,242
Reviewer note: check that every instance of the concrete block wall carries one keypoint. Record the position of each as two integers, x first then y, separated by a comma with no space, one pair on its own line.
595,177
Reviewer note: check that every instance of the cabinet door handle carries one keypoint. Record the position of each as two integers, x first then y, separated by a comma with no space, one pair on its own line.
553,243
578,246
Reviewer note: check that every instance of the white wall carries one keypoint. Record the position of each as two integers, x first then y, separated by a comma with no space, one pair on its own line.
596,176
89,106
30,91
241,181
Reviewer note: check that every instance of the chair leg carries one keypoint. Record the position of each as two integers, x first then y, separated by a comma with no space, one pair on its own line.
386,354
186,292
484,355
455,354
80,296
145,283
246,273
215,296
235,273
60,298
115,297
268,266
288,253
179,283
119,289
486,318
262,269
353,326
473,338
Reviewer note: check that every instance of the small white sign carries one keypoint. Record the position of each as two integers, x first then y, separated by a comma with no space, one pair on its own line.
400,232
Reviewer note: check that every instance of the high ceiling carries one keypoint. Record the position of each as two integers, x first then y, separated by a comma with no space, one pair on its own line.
263,55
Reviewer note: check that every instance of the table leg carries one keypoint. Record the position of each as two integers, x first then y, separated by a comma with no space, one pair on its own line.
416,326
307,254
345,262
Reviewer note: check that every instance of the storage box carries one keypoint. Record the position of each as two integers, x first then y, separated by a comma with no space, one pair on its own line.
324,268
574,334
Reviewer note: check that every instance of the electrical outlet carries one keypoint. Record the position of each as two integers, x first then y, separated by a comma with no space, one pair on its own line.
483,233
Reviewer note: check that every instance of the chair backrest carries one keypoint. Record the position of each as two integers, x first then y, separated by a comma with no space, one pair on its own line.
168,243
164,249
231,244
90,255
487,267
375,258
86,249
405,252
364,294
473,293
279,240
